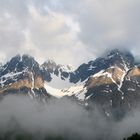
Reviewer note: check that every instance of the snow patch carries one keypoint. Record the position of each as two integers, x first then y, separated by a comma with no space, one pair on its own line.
131,89
53,91
77,90
100,73
122,97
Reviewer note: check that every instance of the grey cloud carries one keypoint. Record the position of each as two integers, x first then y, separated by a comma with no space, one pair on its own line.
62,118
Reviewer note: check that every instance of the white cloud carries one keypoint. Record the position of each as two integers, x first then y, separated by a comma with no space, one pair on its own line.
52,36
43,33
68,31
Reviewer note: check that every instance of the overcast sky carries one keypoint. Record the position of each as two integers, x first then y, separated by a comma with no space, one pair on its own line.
68,31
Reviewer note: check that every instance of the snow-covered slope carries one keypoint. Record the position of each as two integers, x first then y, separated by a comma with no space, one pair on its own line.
57,82
78,91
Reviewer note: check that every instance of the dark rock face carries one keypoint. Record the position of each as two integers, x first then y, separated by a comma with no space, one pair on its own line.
22,74
115,57
20,63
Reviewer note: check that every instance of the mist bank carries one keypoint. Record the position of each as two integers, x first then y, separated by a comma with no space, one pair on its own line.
61,119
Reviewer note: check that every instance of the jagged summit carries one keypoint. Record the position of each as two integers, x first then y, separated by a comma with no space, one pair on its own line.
19,63
114,57
123,60
52,66
123,57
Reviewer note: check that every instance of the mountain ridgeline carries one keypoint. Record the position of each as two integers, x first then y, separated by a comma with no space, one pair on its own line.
112,82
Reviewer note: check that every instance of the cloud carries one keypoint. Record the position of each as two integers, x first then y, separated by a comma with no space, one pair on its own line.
56,118
106,24
62,118
68,31
40,30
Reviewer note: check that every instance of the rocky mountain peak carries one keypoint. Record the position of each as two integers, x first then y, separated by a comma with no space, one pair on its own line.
123,59
49,66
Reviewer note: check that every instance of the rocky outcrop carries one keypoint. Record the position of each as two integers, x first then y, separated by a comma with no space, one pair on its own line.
135,71
110,76
28,81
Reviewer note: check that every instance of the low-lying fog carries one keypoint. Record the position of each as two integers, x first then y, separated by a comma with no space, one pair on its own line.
62,118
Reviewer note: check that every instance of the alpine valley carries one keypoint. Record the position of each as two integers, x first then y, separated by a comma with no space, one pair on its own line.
111,82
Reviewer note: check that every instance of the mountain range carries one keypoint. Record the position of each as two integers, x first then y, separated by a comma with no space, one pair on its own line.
111,82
